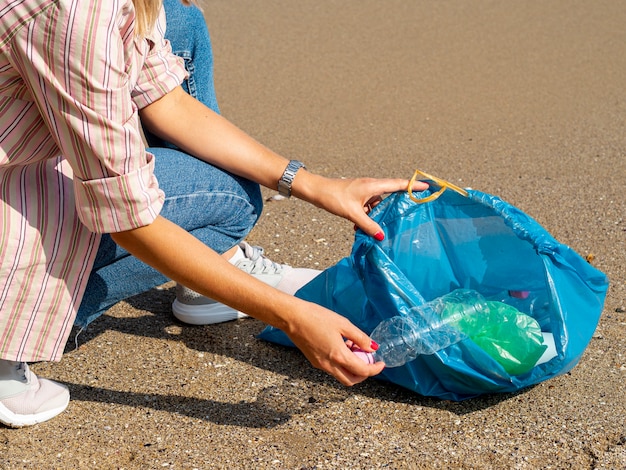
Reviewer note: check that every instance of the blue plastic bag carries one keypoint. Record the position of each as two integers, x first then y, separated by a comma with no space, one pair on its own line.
472,241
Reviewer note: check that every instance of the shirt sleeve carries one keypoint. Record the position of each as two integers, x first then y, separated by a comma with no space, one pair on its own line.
82,63
162,71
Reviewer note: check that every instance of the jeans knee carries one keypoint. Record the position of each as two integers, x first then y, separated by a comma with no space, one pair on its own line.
256,200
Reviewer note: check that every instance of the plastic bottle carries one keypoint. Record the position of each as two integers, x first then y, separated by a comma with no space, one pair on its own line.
428,328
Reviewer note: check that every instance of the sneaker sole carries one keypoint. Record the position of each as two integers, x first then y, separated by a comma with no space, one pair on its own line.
8,418
198,314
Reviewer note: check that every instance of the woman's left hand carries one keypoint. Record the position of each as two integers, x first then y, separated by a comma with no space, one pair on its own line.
352,199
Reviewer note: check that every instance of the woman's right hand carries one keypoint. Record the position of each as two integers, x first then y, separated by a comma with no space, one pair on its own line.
321,336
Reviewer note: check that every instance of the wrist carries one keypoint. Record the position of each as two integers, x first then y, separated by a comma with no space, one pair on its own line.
285,183
307,186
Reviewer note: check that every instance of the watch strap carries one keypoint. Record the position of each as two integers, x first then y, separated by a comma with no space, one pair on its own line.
285,181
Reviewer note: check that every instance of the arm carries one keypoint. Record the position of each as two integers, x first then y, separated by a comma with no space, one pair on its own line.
187,123
319,333
316,331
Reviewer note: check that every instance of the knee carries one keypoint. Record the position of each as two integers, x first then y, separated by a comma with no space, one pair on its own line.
256,199
183,20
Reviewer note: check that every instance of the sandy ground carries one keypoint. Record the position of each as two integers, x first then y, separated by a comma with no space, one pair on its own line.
520,99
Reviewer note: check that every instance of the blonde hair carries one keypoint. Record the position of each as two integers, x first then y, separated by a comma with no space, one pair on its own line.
147,13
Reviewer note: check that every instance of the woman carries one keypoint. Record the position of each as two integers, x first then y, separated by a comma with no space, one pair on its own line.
82,200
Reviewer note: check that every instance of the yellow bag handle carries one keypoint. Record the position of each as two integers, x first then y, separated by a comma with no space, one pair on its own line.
442,183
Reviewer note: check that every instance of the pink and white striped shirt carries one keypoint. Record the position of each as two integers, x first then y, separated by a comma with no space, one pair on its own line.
72,160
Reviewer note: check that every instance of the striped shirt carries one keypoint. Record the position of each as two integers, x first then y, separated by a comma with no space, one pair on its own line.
73,76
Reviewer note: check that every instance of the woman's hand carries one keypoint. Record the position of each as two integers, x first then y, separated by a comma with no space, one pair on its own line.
321,336
351,199
319,333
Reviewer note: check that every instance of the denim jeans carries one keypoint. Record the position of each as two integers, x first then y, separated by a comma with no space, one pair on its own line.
215,206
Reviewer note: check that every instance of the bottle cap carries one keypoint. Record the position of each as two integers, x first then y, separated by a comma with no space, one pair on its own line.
366,357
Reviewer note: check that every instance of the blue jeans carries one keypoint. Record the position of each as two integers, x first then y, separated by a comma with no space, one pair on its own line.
215,206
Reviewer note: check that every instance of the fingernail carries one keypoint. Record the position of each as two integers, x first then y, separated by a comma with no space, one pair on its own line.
380,236
374,345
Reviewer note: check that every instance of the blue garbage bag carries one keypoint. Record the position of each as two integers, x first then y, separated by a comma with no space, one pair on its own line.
471,241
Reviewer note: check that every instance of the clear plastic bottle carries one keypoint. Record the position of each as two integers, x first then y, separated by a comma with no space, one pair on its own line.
428,328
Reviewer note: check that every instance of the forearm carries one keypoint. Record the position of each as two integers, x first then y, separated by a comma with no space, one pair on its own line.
184,259
193,127
199,131
317,332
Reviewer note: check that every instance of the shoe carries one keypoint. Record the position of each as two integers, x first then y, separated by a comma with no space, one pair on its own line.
26,399
195,309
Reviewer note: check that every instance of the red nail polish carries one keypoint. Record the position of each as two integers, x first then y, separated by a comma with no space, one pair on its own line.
374,345
380,236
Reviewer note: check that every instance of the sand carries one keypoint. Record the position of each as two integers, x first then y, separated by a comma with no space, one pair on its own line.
524,100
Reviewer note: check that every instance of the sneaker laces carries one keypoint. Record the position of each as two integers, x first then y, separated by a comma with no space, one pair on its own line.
260,263
22,368
13,370
15,378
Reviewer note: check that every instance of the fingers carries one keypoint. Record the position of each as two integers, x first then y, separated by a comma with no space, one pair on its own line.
363,221
352,368
373,202
349,379
327,348
373,190
355,370
354,199
370,227
392,185
361,341
347,367
419,186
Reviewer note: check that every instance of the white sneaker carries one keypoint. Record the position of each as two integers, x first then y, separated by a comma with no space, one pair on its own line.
195,309
26,399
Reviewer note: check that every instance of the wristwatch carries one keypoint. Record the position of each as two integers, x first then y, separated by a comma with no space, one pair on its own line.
285,181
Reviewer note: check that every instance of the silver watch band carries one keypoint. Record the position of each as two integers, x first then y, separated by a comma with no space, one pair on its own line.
285,181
